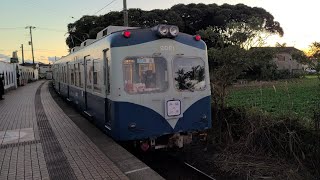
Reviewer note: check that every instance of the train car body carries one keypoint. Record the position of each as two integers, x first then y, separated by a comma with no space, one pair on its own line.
138,85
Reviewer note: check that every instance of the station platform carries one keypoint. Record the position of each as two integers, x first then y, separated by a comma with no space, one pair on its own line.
42,140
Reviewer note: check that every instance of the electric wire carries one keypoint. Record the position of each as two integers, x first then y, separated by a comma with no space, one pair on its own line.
105,7
11,28
50,29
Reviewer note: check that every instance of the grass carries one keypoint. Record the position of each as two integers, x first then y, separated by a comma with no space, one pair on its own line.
298,97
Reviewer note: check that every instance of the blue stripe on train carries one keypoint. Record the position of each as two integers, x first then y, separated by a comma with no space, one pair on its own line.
150,124
140,36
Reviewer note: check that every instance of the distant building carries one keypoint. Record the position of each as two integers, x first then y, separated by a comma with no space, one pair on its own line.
14,58
284,60
44,69
9,71
28,72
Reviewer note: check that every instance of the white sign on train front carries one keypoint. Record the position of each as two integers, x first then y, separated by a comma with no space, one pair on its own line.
173,107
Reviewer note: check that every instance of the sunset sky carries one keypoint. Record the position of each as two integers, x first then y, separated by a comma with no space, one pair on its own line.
299,20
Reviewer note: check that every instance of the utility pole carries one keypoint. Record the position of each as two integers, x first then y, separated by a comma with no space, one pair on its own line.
22,54
31,43
125,13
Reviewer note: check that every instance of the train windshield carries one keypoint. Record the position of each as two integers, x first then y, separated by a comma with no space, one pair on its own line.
189,74
144,75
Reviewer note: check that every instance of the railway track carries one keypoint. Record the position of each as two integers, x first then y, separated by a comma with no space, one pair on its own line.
166,164
171,167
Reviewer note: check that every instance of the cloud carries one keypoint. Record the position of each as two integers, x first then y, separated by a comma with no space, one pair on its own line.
4,58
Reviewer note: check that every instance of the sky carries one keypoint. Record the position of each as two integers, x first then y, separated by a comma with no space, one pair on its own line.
299,19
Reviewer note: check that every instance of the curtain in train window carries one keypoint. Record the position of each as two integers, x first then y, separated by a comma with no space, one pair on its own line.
97,75
145,75
189,74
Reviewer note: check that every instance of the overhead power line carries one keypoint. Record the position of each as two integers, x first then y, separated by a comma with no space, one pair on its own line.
11,28
49,29
105,7
39,28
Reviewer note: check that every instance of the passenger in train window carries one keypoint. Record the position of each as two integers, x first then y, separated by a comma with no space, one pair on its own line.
150,79
1,86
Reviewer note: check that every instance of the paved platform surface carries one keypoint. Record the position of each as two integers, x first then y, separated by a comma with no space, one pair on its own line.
39,141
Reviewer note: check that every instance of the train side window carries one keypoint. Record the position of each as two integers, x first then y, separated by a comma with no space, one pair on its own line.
89,74
65,74
81,69
76,81
189,74
6,79
106,71
60,73
145,75
71,69
97,77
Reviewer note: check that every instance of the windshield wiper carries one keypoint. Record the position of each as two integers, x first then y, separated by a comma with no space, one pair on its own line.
189,88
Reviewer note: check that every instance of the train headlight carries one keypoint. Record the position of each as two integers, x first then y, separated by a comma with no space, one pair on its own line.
174,30
163,30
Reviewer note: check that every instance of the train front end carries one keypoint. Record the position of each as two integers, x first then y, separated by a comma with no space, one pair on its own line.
161,86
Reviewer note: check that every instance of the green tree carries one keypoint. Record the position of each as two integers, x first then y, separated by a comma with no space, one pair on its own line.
226,65
315,56
260,64
190,19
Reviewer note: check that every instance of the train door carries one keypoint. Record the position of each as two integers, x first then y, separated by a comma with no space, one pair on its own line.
107,102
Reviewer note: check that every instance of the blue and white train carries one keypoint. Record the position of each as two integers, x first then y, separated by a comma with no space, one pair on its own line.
149,85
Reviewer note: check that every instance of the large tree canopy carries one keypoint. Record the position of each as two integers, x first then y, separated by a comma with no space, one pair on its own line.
190,18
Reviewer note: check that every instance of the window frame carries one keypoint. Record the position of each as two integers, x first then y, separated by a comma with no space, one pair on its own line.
146,56
173,73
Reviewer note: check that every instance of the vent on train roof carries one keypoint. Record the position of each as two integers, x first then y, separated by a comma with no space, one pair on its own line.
74,49
86,43
111,29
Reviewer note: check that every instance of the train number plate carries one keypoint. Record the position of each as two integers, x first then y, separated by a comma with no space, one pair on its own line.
173,108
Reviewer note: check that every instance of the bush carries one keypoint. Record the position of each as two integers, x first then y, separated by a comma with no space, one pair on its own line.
282,74
255,142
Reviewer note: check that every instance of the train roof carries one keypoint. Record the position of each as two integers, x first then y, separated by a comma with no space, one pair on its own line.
138,36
